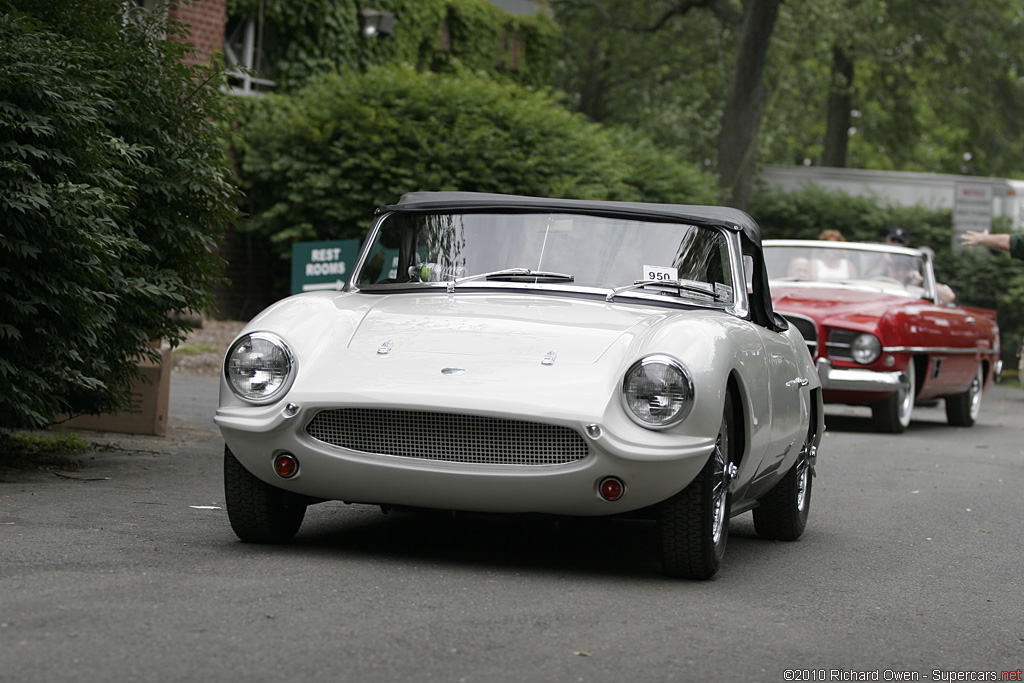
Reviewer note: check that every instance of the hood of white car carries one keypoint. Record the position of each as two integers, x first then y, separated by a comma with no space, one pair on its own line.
502,352
496,326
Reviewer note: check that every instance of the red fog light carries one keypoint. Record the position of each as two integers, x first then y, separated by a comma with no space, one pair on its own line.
611,488
286,465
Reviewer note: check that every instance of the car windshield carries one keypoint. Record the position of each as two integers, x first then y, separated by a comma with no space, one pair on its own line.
620,256
896,272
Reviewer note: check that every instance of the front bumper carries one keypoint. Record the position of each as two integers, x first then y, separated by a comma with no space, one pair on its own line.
859,379
651,474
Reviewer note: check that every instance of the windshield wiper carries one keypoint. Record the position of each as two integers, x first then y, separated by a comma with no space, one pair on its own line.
511,273
680,287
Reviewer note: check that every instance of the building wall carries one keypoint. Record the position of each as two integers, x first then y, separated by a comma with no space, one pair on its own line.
518,6
246,291
205,19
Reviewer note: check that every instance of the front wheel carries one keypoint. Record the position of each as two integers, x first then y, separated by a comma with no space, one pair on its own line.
694,523
1020,362
259,512
963,409
781,514
893,414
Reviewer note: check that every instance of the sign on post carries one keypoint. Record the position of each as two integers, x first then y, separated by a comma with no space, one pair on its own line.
322,265
972,208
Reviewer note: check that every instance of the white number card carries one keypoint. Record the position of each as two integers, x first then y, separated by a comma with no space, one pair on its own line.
661,273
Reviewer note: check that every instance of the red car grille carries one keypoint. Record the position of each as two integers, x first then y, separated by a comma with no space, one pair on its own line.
449,437
840,344
807,328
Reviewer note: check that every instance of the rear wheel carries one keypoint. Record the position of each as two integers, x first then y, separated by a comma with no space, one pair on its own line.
963,409
694,523
893,414
259,512
781,514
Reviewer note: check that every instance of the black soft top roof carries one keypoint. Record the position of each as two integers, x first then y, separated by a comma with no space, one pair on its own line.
728,218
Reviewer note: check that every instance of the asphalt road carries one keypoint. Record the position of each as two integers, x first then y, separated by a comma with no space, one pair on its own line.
127,569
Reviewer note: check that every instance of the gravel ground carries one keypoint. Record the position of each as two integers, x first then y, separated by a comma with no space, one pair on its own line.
202,352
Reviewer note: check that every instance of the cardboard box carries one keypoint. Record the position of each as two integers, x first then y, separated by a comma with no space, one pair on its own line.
150,402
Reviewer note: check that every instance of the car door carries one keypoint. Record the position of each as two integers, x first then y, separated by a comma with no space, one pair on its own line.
949,336
787,390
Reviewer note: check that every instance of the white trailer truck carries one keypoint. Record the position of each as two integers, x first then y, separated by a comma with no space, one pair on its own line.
974,200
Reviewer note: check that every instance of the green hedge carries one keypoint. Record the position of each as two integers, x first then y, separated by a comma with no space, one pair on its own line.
114,189
315,165
979,278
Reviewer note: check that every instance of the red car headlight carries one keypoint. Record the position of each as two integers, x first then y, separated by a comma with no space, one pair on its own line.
866,348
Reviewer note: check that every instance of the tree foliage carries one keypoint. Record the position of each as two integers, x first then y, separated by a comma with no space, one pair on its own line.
671,82
315,165
114,191
310,37
899,84
929,87
610,58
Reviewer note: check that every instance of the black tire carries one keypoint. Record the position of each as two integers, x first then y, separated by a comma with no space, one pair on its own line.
892,415
781,514
963,409
259,512
694,523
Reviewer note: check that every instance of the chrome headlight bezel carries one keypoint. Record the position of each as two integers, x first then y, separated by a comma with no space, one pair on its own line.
866,348
675,390
236,372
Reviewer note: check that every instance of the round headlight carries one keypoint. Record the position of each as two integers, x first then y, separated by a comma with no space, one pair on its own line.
258,367
866,349
657,392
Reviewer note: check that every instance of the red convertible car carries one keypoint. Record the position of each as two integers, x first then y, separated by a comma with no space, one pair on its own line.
877,332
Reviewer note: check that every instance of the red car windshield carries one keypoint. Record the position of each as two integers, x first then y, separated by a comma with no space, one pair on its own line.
892,271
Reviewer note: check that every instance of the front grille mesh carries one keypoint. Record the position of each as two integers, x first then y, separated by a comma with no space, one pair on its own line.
445,436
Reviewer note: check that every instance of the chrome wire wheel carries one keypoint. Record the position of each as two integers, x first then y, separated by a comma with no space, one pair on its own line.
803,476
720,487
694,523
781,514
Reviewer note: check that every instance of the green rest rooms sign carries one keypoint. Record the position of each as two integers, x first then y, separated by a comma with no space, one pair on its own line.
322,265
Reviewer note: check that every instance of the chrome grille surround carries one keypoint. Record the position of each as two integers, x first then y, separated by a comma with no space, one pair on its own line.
448,437
840,344
806,327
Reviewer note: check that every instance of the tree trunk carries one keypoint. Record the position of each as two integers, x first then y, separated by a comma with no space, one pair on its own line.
744,106
837,131
594,86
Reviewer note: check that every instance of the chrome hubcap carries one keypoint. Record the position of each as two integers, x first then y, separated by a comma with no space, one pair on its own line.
907,395
976,394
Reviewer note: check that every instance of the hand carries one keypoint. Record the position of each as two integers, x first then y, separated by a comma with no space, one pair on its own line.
985,239
973,239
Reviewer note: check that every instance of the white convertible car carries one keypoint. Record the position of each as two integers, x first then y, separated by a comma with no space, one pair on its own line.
506,354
